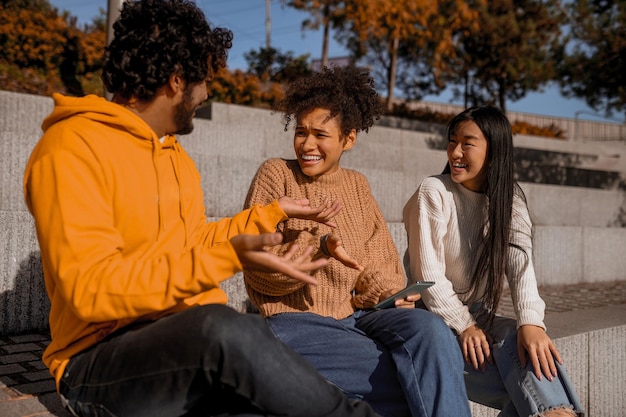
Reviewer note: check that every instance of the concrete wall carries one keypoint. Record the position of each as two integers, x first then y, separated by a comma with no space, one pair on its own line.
572,241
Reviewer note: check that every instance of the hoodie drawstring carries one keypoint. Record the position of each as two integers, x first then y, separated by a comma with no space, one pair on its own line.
155,164
181,206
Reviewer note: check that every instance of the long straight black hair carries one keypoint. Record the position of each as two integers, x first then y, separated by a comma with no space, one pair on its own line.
500,190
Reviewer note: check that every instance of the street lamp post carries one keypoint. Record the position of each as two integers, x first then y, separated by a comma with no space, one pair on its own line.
113,12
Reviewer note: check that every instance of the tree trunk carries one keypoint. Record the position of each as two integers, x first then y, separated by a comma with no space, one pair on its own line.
325,44
326,17
502,95
466,92
391,73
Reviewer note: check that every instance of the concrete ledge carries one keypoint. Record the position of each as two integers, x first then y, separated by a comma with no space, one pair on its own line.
563,255
556,205
568,323
591,343
573,242
24,303
23,113
574,254
15,148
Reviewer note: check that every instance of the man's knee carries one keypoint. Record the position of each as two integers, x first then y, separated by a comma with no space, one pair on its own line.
222,323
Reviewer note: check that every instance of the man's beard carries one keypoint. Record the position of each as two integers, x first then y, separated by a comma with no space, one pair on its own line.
183,114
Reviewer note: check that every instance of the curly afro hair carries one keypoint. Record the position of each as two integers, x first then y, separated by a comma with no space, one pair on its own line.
347,92
154,39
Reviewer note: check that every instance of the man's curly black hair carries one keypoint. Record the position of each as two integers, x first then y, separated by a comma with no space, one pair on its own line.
154,39
347,92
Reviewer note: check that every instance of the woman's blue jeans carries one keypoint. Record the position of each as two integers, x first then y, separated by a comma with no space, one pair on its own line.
205,361
507,386
404,362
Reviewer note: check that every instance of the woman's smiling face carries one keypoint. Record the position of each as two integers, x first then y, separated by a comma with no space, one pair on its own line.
468,151
318,142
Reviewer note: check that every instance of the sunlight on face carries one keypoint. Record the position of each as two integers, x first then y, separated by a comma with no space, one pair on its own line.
467,155
318,143
193,96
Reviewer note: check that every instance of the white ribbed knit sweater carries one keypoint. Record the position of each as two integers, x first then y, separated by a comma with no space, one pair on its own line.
445,223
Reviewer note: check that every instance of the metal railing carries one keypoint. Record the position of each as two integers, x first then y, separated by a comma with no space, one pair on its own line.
575,129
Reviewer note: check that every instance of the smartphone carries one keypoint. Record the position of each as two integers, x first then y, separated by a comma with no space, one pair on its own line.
415,288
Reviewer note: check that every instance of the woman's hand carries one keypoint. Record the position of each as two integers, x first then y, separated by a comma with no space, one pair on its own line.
541,350
335,248
476,347
407,302
302,209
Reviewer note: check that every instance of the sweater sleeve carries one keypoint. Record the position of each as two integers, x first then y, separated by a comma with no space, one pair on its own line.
427,221
255,220
383,270
269,185
528,306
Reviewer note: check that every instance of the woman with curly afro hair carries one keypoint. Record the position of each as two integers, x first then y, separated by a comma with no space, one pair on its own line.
403,361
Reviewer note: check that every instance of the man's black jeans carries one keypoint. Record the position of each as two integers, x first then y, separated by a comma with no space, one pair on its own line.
205,361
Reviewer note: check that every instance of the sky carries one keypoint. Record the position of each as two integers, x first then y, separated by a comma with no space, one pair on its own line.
247,20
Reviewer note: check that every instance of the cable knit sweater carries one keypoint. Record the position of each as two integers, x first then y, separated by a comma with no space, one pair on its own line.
444,223
363,231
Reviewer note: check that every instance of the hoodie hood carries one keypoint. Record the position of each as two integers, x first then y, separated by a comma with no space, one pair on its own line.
98,109
91,114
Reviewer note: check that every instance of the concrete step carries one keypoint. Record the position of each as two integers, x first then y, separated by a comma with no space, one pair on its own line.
589,331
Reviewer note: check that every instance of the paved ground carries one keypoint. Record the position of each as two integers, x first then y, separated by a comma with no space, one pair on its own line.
574,297
27,389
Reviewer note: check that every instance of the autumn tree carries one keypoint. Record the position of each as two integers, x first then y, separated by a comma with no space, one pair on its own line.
239,87
514,49
429,60
324,14
270,64
403,36
44,51
595,69
32,40
91,58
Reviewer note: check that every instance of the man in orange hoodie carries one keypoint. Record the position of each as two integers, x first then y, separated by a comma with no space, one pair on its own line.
133,268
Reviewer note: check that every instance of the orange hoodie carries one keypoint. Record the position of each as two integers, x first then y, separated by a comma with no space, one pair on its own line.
121,225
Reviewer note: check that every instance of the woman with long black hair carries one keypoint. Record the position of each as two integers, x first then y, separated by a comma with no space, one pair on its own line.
469,230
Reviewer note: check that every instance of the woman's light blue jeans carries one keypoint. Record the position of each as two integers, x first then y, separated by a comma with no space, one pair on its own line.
403,362
507,386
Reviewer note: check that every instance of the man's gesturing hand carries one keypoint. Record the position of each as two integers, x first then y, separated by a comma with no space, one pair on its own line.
253,256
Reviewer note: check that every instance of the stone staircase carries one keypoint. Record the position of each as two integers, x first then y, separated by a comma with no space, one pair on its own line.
577,238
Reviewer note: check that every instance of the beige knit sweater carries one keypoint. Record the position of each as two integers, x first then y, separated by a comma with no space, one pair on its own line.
445,223
363,231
